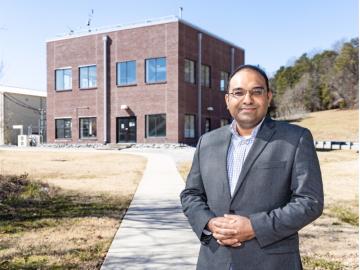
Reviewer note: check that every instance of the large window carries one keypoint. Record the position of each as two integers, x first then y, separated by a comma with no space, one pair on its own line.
156,70
63,79
189,128
87,77
189,70
63,128
126,73
224,79
155,125
205,76
87,128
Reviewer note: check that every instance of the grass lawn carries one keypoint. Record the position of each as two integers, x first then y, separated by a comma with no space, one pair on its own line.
332,125
50,225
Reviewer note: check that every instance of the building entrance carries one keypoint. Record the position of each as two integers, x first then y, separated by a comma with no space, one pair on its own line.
126,129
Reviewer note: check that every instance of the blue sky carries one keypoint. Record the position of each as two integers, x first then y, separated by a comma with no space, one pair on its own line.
272,32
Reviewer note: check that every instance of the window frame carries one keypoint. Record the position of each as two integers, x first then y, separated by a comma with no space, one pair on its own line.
80,128
222,120
147,116
207,120
56,129
88,76
118,70
63,69
226,82
194,128
203,82
156,72
194,71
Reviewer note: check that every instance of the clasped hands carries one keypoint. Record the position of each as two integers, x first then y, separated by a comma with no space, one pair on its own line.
231,230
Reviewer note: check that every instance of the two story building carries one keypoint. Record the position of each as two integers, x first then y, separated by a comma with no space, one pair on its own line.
161,81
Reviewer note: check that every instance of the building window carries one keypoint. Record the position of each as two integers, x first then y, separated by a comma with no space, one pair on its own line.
87,128
63,129
155,125
63,79
189,128
126,73
87,77
189,70
207,124
156,70
224,122
224,79
205,76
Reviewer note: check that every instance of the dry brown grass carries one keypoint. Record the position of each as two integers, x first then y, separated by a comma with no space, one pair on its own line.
89,172
332,125
333,237
184,168
73,227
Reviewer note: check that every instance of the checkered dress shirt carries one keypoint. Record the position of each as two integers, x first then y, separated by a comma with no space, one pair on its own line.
238,150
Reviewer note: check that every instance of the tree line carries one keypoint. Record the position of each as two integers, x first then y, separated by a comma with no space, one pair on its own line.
327,80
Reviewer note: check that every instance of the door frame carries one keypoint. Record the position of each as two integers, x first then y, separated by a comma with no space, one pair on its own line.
118,128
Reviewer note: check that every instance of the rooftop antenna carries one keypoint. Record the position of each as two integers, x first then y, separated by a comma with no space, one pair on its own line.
91,14
71,31
180,12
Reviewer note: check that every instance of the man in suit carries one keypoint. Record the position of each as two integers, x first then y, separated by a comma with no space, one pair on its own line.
252,185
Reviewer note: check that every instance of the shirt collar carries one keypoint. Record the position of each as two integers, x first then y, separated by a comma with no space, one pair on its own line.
236,135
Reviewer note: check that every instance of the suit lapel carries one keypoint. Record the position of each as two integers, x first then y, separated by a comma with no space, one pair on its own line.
263,137
223,148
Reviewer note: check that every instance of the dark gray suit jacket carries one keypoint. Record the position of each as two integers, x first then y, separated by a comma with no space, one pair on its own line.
279,189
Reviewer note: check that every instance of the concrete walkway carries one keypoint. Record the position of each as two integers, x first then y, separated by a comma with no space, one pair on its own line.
154,233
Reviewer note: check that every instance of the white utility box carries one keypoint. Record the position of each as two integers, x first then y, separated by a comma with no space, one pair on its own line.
23,140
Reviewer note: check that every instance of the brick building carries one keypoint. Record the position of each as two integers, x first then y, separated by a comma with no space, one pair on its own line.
161,81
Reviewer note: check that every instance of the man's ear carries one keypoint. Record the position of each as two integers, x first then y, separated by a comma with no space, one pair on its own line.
227,100
269,95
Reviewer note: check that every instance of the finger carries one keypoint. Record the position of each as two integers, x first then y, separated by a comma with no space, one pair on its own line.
230,242
232,217
227,225
221,236
225,231
236,245
220,243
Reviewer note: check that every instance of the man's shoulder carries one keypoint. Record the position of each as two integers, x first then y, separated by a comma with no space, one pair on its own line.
288,128
217,133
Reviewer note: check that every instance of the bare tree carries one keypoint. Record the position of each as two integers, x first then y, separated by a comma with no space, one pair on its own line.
1,68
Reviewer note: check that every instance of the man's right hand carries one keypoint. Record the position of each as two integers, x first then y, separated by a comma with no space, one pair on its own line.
224,237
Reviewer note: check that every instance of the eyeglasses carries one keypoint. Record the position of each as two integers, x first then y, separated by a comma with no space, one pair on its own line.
241,93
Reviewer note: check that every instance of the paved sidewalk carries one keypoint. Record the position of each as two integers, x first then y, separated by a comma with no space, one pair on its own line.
154,233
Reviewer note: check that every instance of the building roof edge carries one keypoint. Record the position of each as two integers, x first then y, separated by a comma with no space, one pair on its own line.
22,91
163,20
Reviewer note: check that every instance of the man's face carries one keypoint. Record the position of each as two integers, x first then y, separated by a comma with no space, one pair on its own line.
248,110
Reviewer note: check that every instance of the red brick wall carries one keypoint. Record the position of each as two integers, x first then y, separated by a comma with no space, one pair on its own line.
133,44
175,41
215,54
73,53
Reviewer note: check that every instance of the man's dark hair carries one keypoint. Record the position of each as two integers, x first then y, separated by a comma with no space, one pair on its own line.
252,67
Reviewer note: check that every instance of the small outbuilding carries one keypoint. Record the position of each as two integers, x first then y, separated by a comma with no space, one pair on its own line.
21,111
